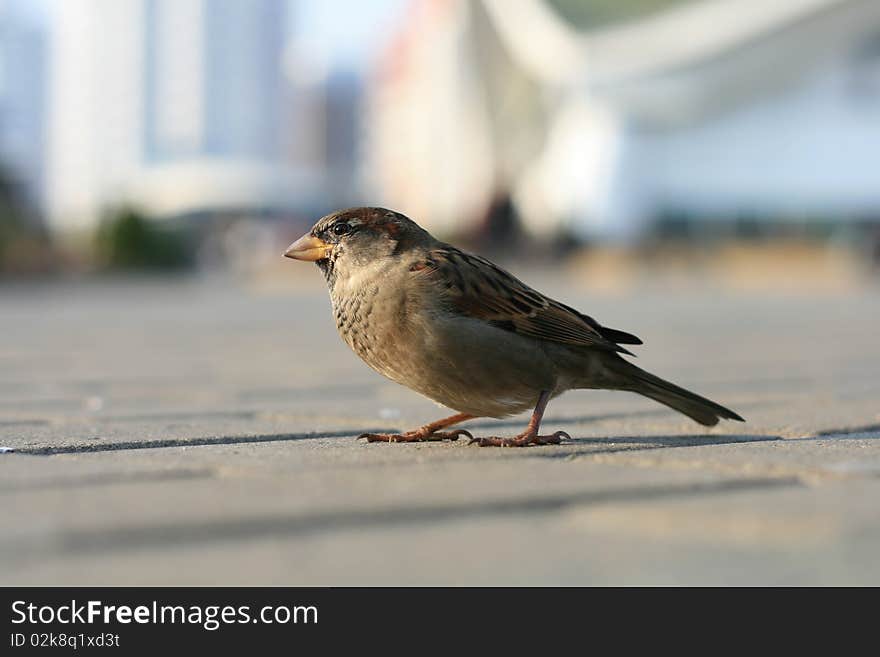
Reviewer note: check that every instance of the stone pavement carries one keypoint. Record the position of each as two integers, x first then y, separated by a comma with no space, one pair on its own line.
199,431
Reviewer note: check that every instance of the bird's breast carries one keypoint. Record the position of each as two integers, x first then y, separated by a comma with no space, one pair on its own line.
463,364
374,324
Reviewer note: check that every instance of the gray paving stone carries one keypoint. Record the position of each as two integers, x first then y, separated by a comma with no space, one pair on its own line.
202,432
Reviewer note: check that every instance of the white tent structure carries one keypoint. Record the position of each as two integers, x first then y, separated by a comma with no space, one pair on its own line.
711,109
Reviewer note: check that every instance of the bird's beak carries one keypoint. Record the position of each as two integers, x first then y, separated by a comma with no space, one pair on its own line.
308,247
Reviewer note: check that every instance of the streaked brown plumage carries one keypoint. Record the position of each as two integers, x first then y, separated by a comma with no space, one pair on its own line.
467,334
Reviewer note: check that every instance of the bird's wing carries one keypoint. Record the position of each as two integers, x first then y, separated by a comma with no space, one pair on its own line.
478,288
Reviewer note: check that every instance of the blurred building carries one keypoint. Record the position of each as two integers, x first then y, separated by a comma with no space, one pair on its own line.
428,146
176,106
22,99
711,110
325,105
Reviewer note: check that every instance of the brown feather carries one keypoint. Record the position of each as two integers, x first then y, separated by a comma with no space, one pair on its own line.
482,290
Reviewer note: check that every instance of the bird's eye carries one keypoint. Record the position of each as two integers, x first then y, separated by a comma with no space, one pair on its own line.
341,229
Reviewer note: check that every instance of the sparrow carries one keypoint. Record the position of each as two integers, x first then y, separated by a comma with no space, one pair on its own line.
465,333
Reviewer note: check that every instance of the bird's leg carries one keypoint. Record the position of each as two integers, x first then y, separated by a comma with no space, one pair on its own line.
530,435
429,432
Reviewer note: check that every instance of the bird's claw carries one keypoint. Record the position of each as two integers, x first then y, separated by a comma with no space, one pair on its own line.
386,437
376,437
523,440
414,436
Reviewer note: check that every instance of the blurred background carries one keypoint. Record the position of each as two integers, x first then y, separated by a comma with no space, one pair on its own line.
736,138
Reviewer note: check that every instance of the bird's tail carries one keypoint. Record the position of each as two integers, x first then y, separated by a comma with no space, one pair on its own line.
627,376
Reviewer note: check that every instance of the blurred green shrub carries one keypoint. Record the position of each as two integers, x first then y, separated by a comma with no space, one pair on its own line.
127,239
11,231
24,243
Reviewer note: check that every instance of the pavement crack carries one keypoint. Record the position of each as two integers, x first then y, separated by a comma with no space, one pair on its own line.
107,479
188,442
249,528
832,433
25,422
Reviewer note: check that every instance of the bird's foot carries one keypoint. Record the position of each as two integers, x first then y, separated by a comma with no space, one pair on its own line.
416,436
522,440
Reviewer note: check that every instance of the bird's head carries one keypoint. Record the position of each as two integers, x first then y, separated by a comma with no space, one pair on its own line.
355,237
